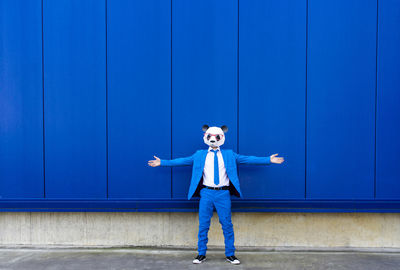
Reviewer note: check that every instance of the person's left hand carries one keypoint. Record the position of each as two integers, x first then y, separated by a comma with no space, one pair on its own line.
275,159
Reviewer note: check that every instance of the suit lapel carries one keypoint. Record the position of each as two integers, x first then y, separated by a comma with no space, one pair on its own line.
203,158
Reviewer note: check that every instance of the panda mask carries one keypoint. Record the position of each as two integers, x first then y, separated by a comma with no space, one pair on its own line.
214,136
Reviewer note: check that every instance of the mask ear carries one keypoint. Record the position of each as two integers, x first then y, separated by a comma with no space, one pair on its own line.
224,129
205,127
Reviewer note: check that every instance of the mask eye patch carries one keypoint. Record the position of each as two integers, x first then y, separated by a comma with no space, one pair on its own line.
208,137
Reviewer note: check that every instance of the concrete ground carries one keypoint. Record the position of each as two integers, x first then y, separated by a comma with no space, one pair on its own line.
169,258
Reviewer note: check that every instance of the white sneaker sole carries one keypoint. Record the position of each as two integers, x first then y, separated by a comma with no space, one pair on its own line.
234,262
196,261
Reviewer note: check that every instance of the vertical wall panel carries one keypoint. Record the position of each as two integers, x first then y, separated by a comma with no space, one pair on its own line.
341,99
75,98
272,73
204,77
388,99
21,100
139,97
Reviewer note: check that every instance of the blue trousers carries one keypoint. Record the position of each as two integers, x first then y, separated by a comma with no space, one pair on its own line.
222,201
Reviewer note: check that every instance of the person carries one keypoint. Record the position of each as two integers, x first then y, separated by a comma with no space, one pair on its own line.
214,179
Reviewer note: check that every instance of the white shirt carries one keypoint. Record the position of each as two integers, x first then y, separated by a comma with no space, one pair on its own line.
208,172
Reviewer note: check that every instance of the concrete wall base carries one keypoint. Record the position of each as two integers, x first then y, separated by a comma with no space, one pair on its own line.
264,230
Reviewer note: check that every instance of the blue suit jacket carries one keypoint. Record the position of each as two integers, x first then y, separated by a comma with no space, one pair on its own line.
230,160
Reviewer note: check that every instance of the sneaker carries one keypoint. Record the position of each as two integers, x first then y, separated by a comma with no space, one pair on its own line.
199,259
233,259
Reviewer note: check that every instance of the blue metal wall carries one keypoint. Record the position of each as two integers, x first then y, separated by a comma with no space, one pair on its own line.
90,90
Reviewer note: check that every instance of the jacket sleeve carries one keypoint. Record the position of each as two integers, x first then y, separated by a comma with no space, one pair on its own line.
242,159
184,161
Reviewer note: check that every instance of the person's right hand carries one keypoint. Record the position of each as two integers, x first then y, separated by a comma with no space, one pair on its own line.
154,163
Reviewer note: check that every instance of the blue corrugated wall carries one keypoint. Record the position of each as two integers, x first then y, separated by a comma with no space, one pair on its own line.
90,90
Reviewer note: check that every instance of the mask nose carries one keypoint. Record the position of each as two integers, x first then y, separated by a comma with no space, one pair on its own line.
212,141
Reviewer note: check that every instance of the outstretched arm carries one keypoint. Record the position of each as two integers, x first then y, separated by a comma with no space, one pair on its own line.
185,161
242,159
